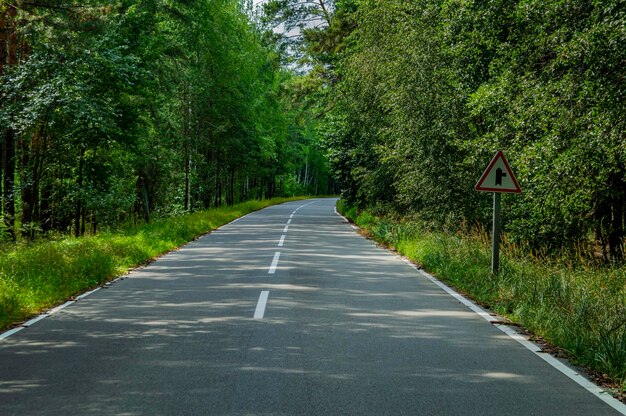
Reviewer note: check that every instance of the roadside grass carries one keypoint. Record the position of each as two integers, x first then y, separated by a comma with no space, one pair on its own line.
36,277
580,308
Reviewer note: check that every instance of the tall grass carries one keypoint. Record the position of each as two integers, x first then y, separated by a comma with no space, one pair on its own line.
34,278
578,307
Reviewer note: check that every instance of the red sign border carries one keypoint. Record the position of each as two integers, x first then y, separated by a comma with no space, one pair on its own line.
482,179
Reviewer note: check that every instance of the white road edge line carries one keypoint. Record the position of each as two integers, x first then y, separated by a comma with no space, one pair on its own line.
274,263
35,320
58,308
600,393
10,332
282,240
354,227
259,313
46,314
84,295
233,221
344,218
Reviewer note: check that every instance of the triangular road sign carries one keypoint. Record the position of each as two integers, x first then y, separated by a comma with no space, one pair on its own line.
498,177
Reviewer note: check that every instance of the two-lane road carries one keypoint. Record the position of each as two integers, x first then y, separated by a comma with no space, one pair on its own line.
286,311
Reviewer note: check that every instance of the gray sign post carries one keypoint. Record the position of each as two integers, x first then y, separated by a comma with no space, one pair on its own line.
497,178
495,237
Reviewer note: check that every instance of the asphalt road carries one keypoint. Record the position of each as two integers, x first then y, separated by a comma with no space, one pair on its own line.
332,325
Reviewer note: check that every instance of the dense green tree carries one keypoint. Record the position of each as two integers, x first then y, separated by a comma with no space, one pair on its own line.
113,111
428,91
556,100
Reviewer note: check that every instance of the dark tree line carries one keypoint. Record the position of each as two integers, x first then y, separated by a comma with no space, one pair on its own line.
116,110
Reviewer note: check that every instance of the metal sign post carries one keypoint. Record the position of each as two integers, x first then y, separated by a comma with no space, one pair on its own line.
497,178
495,237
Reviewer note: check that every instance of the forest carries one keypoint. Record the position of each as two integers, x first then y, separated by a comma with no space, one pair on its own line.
116,111
420,94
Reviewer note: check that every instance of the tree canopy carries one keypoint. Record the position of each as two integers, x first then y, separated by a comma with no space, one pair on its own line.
116,110
428,91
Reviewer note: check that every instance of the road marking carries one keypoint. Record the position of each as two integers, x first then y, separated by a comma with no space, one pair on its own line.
289,221
235,220
282,240
58,308
286,229
45,315
35,320
302,206
10,332
529,345
274,263
84,295
346,220
260,306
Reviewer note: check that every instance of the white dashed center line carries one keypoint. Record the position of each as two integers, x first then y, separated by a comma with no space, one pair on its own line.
274,263
259,313
261,304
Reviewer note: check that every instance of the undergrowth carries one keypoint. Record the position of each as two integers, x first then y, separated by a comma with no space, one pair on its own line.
36,277
580,308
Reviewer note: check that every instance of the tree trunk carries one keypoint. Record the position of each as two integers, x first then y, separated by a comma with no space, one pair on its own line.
205,184
31,167
271,186
8,182
218,181
3,41
27,192
12,48
616,229
45,214
231,187
79,201
146,204
187,166
8,57
94,223
325,12
83,219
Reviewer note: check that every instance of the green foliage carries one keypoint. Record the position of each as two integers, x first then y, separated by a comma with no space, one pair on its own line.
36,277
429,90
391,137
420,114
292,19
123,108
552,100
580,308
